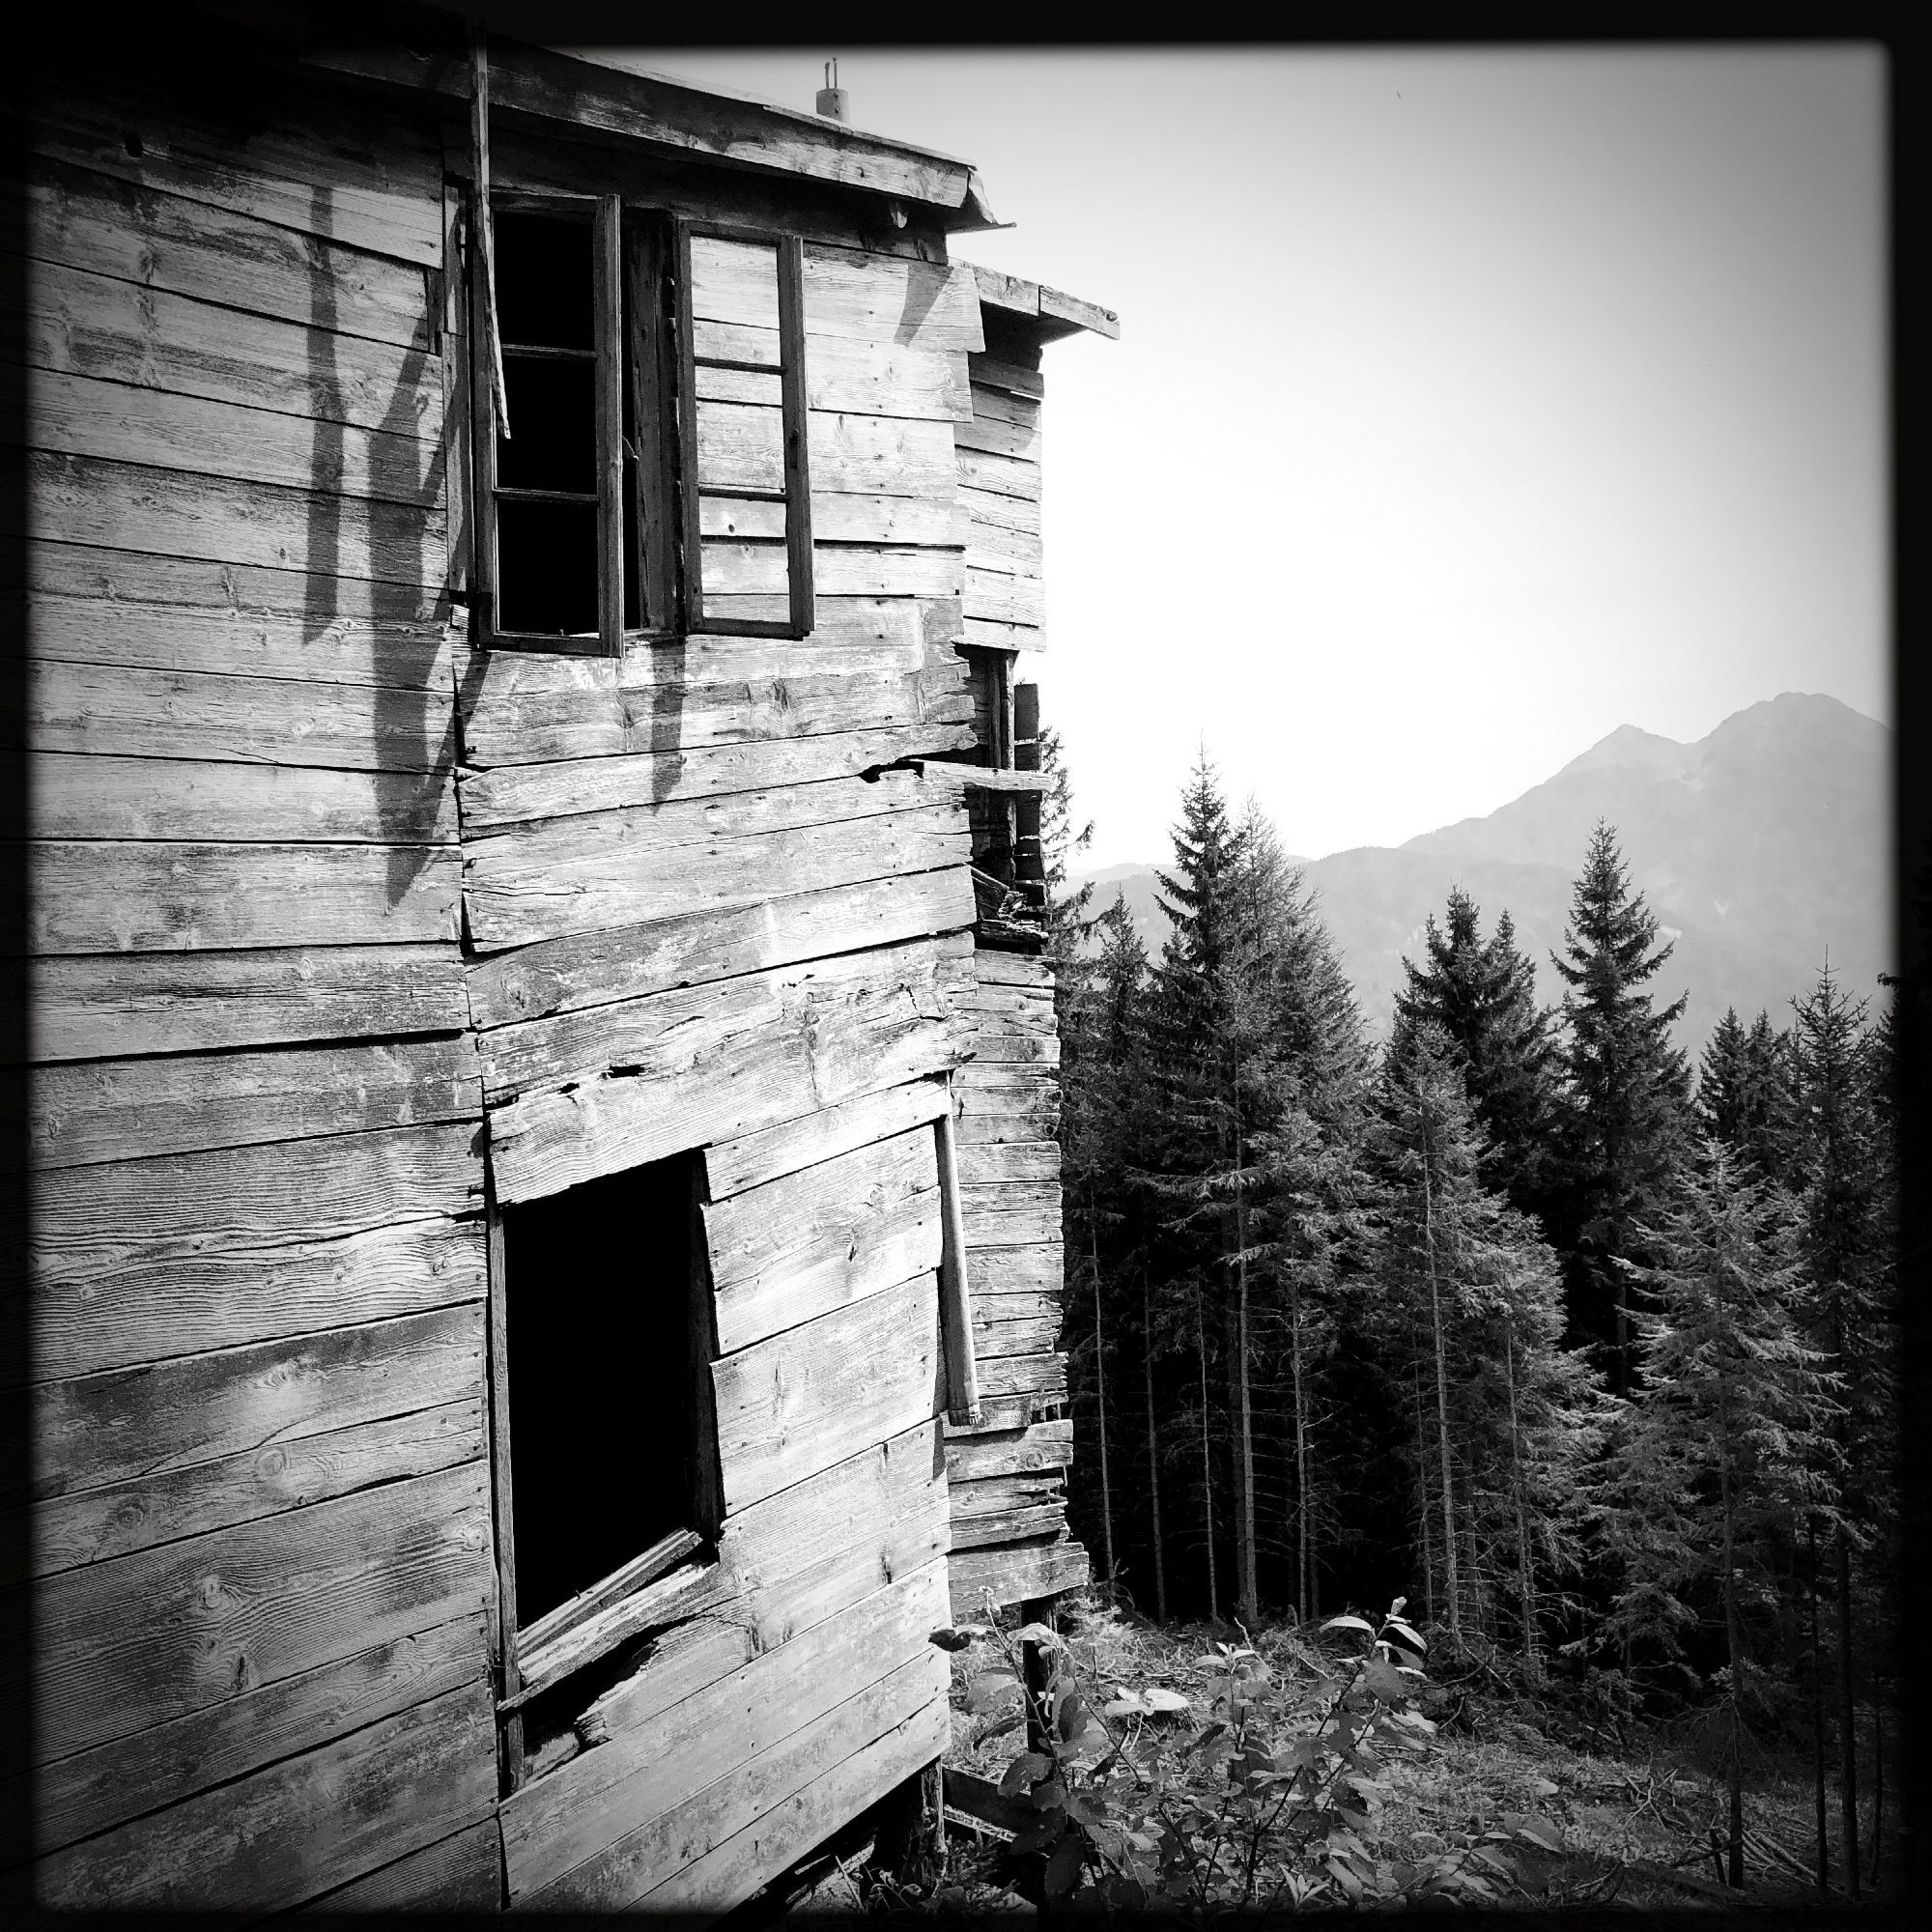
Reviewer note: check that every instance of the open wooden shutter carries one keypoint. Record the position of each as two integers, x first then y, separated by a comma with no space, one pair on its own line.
747,484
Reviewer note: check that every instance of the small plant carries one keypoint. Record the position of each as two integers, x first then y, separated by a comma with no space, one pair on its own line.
1264,1790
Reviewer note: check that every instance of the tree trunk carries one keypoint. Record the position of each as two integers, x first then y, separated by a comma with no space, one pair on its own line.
1735,1876
1878,1777
1304,1603
1817,1708
1848,1715
1449,1576
1244,1572
1525,1574
1153,1455
1422,1513
1100,1391
1207,1462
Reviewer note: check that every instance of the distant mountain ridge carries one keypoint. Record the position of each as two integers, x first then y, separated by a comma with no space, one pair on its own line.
1757,847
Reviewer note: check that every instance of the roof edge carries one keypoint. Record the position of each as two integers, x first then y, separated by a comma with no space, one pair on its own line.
1055,313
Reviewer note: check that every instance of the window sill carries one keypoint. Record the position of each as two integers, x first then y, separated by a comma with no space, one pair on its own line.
596,1623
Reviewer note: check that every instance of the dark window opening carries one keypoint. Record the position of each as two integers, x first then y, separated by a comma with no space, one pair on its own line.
604,1307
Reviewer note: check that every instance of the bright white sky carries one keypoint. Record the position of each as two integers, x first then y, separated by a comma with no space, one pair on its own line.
1468,404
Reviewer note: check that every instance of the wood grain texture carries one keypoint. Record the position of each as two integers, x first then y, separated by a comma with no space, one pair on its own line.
849,1227
93,1790
332,173
109,895
108,1006
1045,1445
851,375
734,1869
524,794
71,795
84,416
752,1052
731,1167
463,1872
1010,1214
122,1427
107,1110
1014,1576
589,873
115,227
796,1404
580,1839
1010,1160
88,499
126,712
81,323
534,726
143,1638
71,1531
297,1827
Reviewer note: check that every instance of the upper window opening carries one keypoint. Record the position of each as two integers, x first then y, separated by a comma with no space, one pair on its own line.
655,475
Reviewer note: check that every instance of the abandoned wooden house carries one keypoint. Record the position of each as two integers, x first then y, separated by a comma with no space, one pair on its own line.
539,1070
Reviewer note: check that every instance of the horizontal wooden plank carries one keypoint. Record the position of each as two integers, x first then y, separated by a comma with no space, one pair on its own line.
994,402
792,1405
1041,1376
150,1636
852,376
851,1226
1000,475
105,1110
288,1831
1032,1334
1046,1445
83,415
1038,1268
107,1006
107,896
170,1418
996,433
690,1590
747,1055
524,887
1010,1160
733,568
334,173
579,1837
121,711
765,1850
523,794
891,298
993,518
1012,969
836,519
591,970
1010,1214
82,324
116,227
991,370
999,1496
1003,1046
539,726
72,795
93,1790
88,499
739,447
992,634
720,1844
1008,1526
733,1166
994,549
1014,1576
994,597
69,1531
463,1872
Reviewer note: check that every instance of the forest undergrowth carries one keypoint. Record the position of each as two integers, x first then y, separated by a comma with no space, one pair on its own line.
1206,1768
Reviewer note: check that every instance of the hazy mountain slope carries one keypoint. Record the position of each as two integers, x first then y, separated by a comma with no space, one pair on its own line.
1758,846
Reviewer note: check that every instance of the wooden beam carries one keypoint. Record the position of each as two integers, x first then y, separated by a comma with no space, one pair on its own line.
962,1381
608,277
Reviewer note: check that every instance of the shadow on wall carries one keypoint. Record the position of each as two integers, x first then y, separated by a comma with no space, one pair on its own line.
416,753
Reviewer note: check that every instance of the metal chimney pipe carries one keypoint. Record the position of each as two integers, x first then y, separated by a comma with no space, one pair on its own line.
832,100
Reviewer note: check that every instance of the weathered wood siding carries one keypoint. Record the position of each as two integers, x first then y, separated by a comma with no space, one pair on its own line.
1007,1496
257,1531
328,911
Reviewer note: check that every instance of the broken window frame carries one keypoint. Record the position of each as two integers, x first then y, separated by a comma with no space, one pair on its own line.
644,354
672,1578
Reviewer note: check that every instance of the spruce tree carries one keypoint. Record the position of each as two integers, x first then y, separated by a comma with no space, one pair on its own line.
1745,1095
1714,1460
1626,1089
1481,994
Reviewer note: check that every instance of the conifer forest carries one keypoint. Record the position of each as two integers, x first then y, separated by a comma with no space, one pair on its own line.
1579,1341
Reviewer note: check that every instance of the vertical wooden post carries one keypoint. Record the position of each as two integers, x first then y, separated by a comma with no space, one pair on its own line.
1038,1664
797,455
608,276
511,1758
955,1306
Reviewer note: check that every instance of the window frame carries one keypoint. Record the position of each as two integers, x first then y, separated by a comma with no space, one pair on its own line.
639,348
